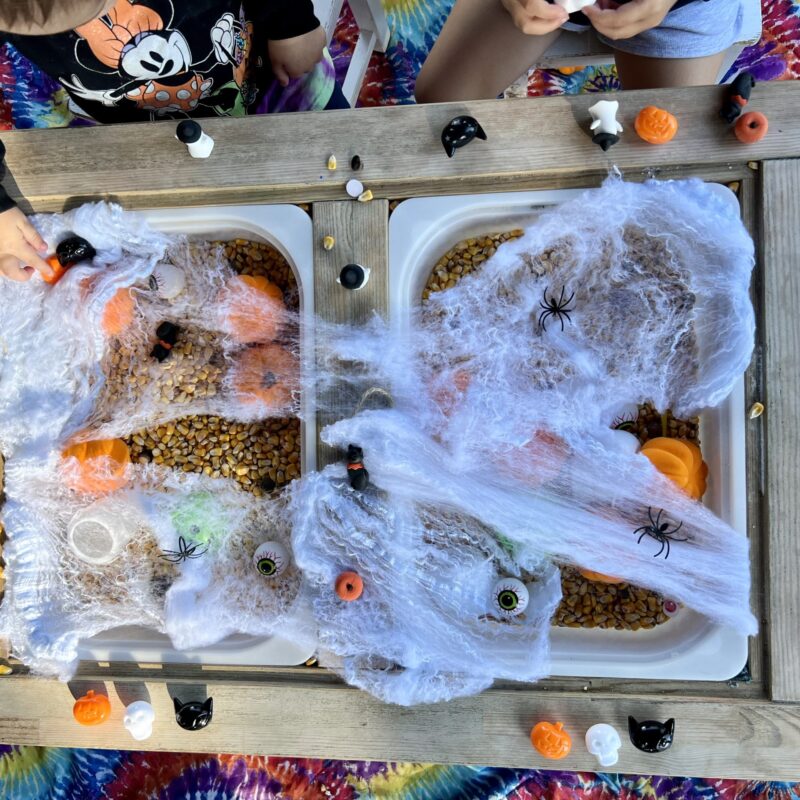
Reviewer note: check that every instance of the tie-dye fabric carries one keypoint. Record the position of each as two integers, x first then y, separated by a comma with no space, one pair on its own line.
40,773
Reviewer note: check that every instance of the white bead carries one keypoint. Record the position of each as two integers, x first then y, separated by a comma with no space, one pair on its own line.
354,188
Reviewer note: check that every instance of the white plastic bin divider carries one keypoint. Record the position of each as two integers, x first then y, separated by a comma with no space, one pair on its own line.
687,647
289,229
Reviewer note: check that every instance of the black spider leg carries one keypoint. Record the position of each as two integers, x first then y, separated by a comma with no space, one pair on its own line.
548,310
664,544
645,531
563,309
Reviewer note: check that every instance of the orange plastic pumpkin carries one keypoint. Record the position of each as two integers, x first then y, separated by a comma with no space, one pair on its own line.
751,127
92,709
679,460
542,457
551,740
119,313
97,467
268,375
448,397
655,125
349,586
255,309
598,577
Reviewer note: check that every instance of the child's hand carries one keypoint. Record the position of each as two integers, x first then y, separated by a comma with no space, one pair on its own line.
535,17
627,20
294,57
21,247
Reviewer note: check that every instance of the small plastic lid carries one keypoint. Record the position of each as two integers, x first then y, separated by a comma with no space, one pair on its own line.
188,131
352,276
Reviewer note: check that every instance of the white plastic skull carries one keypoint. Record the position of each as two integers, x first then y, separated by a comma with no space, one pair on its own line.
603,741
138,720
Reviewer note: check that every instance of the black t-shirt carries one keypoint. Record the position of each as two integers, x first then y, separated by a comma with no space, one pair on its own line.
154,59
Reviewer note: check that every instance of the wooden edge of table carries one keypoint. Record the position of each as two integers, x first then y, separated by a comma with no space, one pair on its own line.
719,734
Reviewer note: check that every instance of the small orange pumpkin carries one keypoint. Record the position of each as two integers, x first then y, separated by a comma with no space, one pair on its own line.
543,457
349,586
97,467
599,577
551,740
655,125
255,309
679,460
751,127
118,315
92,709
448,397
267,375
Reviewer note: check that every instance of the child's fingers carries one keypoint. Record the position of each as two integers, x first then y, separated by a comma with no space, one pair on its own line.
32,236
619,23
30,257
11,269
535,26
544,10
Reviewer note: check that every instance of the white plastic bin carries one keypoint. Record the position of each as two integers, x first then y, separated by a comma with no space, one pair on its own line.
288,229
688,646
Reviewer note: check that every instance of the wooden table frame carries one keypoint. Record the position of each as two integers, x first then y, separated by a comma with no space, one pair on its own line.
747,728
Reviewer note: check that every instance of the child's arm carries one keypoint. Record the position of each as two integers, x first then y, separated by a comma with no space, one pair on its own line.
21,247
296,38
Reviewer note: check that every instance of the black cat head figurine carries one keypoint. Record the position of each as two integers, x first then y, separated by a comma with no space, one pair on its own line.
651,736
460,132
193,716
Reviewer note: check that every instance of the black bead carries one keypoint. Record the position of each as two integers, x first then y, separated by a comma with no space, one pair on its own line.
355,163
267,484
352,276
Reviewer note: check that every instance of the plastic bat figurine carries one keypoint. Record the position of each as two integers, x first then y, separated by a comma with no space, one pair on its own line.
356,472
737,95
651,736
459,132
167,334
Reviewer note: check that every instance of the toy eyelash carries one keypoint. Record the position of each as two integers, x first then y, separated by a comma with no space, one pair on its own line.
271,559
624,422
510,597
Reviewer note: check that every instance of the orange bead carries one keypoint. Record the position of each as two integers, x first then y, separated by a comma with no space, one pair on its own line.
349,586
551,740
91,709
655,125
751,127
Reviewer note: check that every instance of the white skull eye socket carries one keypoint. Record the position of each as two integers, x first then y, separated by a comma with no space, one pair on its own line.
271,559
510,597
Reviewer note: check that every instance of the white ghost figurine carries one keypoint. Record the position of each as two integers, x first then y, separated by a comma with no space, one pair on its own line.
571,6
604,123
138,720
603,741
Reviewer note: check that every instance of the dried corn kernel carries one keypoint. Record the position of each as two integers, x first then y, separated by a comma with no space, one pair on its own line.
5,669
332,163
365,196
756,410
328,242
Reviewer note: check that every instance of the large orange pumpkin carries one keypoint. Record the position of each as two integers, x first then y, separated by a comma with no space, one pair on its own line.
268,375
91,709
255,309
655,125
551,740
679,460
97,467
119,313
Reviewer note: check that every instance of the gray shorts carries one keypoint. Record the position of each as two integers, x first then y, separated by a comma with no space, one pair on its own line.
702,28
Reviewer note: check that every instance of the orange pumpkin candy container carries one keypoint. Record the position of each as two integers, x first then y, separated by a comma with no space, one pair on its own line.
655,125
91,709
97,467
254,309
551,740
267,375
681,461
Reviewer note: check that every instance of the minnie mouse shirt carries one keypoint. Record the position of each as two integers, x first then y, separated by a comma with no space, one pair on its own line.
156,59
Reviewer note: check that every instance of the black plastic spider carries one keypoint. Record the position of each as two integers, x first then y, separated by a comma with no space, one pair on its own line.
183,553
660,531
555,308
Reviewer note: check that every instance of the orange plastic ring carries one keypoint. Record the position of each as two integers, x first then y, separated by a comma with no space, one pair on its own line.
349,586
751,127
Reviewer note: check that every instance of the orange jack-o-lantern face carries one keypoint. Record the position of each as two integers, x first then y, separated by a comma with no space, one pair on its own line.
92,709
551,740
655,125
97,467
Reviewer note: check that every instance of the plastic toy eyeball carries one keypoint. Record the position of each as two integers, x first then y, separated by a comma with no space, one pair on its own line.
510,597
167,280
271,559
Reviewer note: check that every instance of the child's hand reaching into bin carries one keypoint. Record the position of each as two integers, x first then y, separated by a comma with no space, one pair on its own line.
21,247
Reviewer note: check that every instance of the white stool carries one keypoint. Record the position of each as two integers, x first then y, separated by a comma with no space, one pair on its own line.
373,35
584,49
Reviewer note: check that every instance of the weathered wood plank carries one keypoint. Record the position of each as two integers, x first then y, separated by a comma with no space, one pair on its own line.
781,276
361,233
713,739
282,157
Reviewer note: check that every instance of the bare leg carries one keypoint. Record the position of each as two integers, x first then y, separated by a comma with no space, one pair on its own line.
641,72
479,53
